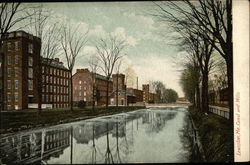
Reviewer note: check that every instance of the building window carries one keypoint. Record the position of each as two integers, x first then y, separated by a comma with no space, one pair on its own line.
30,72
9,72
9,46
84,98
9,84
80,82
51,70
30,84
16,97
84,93
30,61
9,60
16,46
80,94
43,78
43,69
16,59
84,82
54,71
43,98
30,48
84,88
80,87
9,97
16,72
16,84
54,80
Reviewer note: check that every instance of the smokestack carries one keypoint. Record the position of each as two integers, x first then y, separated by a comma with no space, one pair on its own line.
137,82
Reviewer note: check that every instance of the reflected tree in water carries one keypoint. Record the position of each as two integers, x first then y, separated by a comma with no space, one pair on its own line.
108,155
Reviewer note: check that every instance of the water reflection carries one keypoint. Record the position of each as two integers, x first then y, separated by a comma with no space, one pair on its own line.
122,138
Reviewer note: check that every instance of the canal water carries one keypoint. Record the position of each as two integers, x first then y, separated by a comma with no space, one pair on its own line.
154,135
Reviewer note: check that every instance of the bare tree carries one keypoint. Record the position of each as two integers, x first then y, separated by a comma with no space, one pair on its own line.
41,27
130,76
72,42
214,20
11,15
109,52
117,69
93,64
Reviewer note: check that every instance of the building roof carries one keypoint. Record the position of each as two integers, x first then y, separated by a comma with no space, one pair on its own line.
99,76
20,33
54,63
123,92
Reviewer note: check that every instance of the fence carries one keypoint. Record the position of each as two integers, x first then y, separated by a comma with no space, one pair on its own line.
221,111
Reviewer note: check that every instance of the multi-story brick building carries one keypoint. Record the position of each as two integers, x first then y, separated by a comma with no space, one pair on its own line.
145,89
55,83
120,95
137,93
21,52
85,83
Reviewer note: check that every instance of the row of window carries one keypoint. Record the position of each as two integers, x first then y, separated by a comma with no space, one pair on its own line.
9,84
84,94
55,98
15,46
55,80
80,87
58,72
10,96
55,89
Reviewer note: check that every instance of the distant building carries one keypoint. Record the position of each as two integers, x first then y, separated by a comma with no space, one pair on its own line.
85,83
22,52
145,89
120,95
137,93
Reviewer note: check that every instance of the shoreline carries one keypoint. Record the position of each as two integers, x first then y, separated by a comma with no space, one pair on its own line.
67,119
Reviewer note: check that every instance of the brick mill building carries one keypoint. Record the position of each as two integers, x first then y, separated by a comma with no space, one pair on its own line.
120,94
90,87
22,52
55,84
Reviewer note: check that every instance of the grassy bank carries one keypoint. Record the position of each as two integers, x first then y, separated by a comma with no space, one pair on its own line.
216,135
12,121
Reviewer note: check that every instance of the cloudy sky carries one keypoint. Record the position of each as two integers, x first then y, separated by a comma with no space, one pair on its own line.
148,52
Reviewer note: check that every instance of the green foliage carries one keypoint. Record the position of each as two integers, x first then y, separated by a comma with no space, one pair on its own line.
216,135
190,77
170,95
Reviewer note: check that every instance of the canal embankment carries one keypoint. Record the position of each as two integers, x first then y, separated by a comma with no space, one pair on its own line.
13,121
215,135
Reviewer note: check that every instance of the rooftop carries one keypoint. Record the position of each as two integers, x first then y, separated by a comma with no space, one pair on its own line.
54,63
20,34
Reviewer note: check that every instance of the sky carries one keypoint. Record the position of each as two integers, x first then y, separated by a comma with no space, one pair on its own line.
148,49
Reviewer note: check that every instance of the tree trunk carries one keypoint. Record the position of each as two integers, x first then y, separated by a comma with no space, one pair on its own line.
71,91
39,85
198,101
3,70
107,93
230,87
204,92
117,91
93,95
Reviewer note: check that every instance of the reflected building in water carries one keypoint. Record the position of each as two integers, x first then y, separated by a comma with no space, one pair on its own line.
34,147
